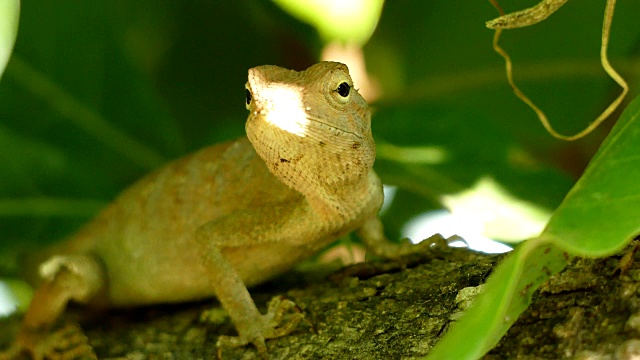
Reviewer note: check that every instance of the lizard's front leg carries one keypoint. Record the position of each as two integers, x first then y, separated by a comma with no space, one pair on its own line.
252,326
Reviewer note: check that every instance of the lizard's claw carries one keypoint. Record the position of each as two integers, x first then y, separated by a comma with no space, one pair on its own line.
64,344
269,326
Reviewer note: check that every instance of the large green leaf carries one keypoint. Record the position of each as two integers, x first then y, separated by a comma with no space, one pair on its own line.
602,212
599,216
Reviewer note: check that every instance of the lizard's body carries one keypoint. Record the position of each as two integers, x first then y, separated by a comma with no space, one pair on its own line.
182,196
230,215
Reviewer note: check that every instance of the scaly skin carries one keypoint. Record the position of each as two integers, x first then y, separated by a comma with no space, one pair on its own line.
230,215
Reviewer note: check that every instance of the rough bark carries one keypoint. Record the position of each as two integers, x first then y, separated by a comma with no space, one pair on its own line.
396,310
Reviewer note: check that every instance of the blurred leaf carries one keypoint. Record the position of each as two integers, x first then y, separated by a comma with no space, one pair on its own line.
350,21
83,117
442,153
9,16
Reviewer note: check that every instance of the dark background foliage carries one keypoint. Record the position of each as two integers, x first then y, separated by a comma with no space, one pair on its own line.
99,93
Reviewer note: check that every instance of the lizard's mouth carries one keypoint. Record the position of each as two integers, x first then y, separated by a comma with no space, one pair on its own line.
322,125
301,124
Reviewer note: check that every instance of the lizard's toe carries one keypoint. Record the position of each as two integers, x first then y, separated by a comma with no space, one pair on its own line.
269,326
64,344
69,343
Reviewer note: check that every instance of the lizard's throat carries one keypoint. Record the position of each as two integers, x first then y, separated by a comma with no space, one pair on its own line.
313,163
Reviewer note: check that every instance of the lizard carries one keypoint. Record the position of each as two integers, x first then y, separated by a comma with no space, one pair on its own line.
228,216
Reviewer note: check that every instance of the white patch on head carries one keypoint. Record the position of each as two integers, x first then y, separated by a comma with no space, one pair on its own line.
283,107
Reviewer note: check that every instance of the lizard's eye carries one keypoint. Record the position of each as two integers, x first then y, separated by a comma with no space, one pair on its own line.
249,97
343,89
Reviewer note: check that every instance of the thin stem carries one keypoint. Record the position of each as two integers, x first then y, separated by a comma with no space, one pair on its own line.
606,27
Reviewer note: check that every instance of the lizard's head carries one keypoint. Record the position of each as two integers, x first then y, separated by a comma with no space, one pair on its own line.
310,127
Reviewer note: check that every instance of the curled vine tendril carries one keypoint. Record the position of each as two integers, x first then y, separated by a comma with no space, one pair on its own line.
534,15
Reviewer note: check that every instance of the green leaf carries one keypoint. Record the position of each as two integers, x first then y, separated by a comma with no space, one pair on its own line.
9,16
601,213
506,294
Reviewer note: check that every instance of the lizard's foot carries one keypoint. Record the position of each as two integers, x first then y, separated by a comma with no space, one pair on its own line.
64,344
435,242
372,234
440,242
268,326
